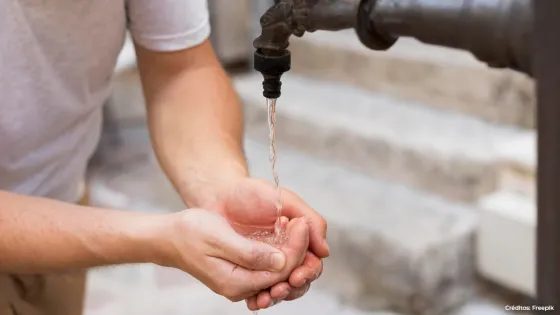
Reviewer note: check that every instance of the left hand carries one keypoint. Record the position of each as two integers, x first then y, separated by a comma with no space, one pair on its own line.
249,205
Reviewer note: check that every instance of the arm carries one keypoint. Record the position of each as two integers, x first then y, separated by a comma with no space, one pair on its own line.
196,125
195,120
40,235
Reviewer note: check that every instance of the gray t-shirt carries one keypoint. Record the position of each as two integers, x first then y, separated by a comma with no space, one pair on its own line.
57,58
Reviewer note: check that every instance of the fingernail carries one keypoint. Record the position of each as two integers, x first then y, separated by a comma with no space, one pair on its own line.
278,261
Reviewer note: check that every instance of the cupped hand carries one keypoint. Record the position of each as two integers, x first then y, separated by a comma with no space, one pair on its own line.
203,243
250,205
298,284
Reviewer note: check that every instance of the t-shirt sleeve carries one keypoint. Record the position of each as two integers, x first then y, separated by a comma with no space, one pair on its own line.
168,25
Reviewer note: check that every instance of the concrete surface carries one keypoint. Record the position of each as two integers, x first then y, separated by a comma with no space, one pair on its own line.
442,78
508,233
518,165
445,153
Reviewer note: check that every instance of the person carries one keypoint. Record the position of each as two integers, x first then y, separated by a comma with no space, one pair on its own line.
56,63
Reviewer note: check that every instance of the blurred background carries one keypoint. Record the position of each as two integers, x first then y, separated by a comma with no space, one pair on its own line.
421,159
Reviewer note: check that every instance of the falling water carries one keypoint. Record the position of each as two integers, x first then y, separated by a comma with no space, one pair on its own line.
271,105
278,237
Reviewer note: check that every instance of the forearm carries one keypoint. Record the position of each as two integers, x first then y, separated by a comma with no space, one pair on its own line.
41,235
196,125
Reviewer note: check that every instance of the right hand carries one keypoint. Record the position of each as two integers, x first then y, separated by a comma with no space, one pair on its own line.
203,244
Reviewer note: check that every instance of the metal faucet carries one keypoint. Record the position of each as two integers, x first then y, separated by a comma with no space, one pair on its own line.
497,32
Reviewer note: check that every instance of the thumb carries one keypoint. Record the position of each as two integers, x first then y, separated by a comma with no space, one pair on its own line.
297,242
249,254
294,249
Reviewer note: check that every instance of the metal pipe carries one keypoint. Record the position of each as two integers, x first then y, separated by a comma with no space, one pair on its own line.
498,32
258,8
332,15
295,17
547,71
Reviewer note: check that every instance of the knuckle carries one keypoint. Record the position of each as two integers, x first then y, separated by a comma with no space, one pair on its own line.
230,293
254,287
322,222
223,287
246,258
316,272
253,258
215,244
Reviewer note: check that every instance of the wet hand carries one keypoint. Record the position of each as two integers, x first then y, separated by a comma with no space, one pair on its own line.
249,204
203,243
298,284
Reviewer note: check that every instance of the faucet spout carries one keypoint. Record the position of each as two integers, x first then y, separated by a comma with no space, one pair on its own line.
295,17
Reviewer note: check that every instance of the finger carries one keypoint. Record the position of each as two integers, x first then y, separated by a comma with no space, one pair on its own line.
264,300
294,250
297,242
252,304
284,223
295,207
249,254
280,291
232,281
297,293
309,271
280,226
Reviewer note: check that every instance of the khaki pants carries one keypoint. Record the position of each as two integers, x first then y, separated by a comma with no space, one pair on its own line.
44,294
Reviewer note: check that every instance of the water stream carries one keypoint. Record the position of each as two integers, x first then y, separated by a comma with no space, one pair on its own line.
271,105
277,238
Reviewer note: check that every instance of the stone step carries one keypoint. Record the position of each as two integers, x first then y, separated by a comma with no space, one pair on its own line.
392,248
518,160
439,77
446,153
507,232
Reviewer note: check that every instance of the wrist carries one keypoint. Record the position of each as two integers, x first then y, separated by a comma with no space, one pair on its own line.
146,238
206,184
